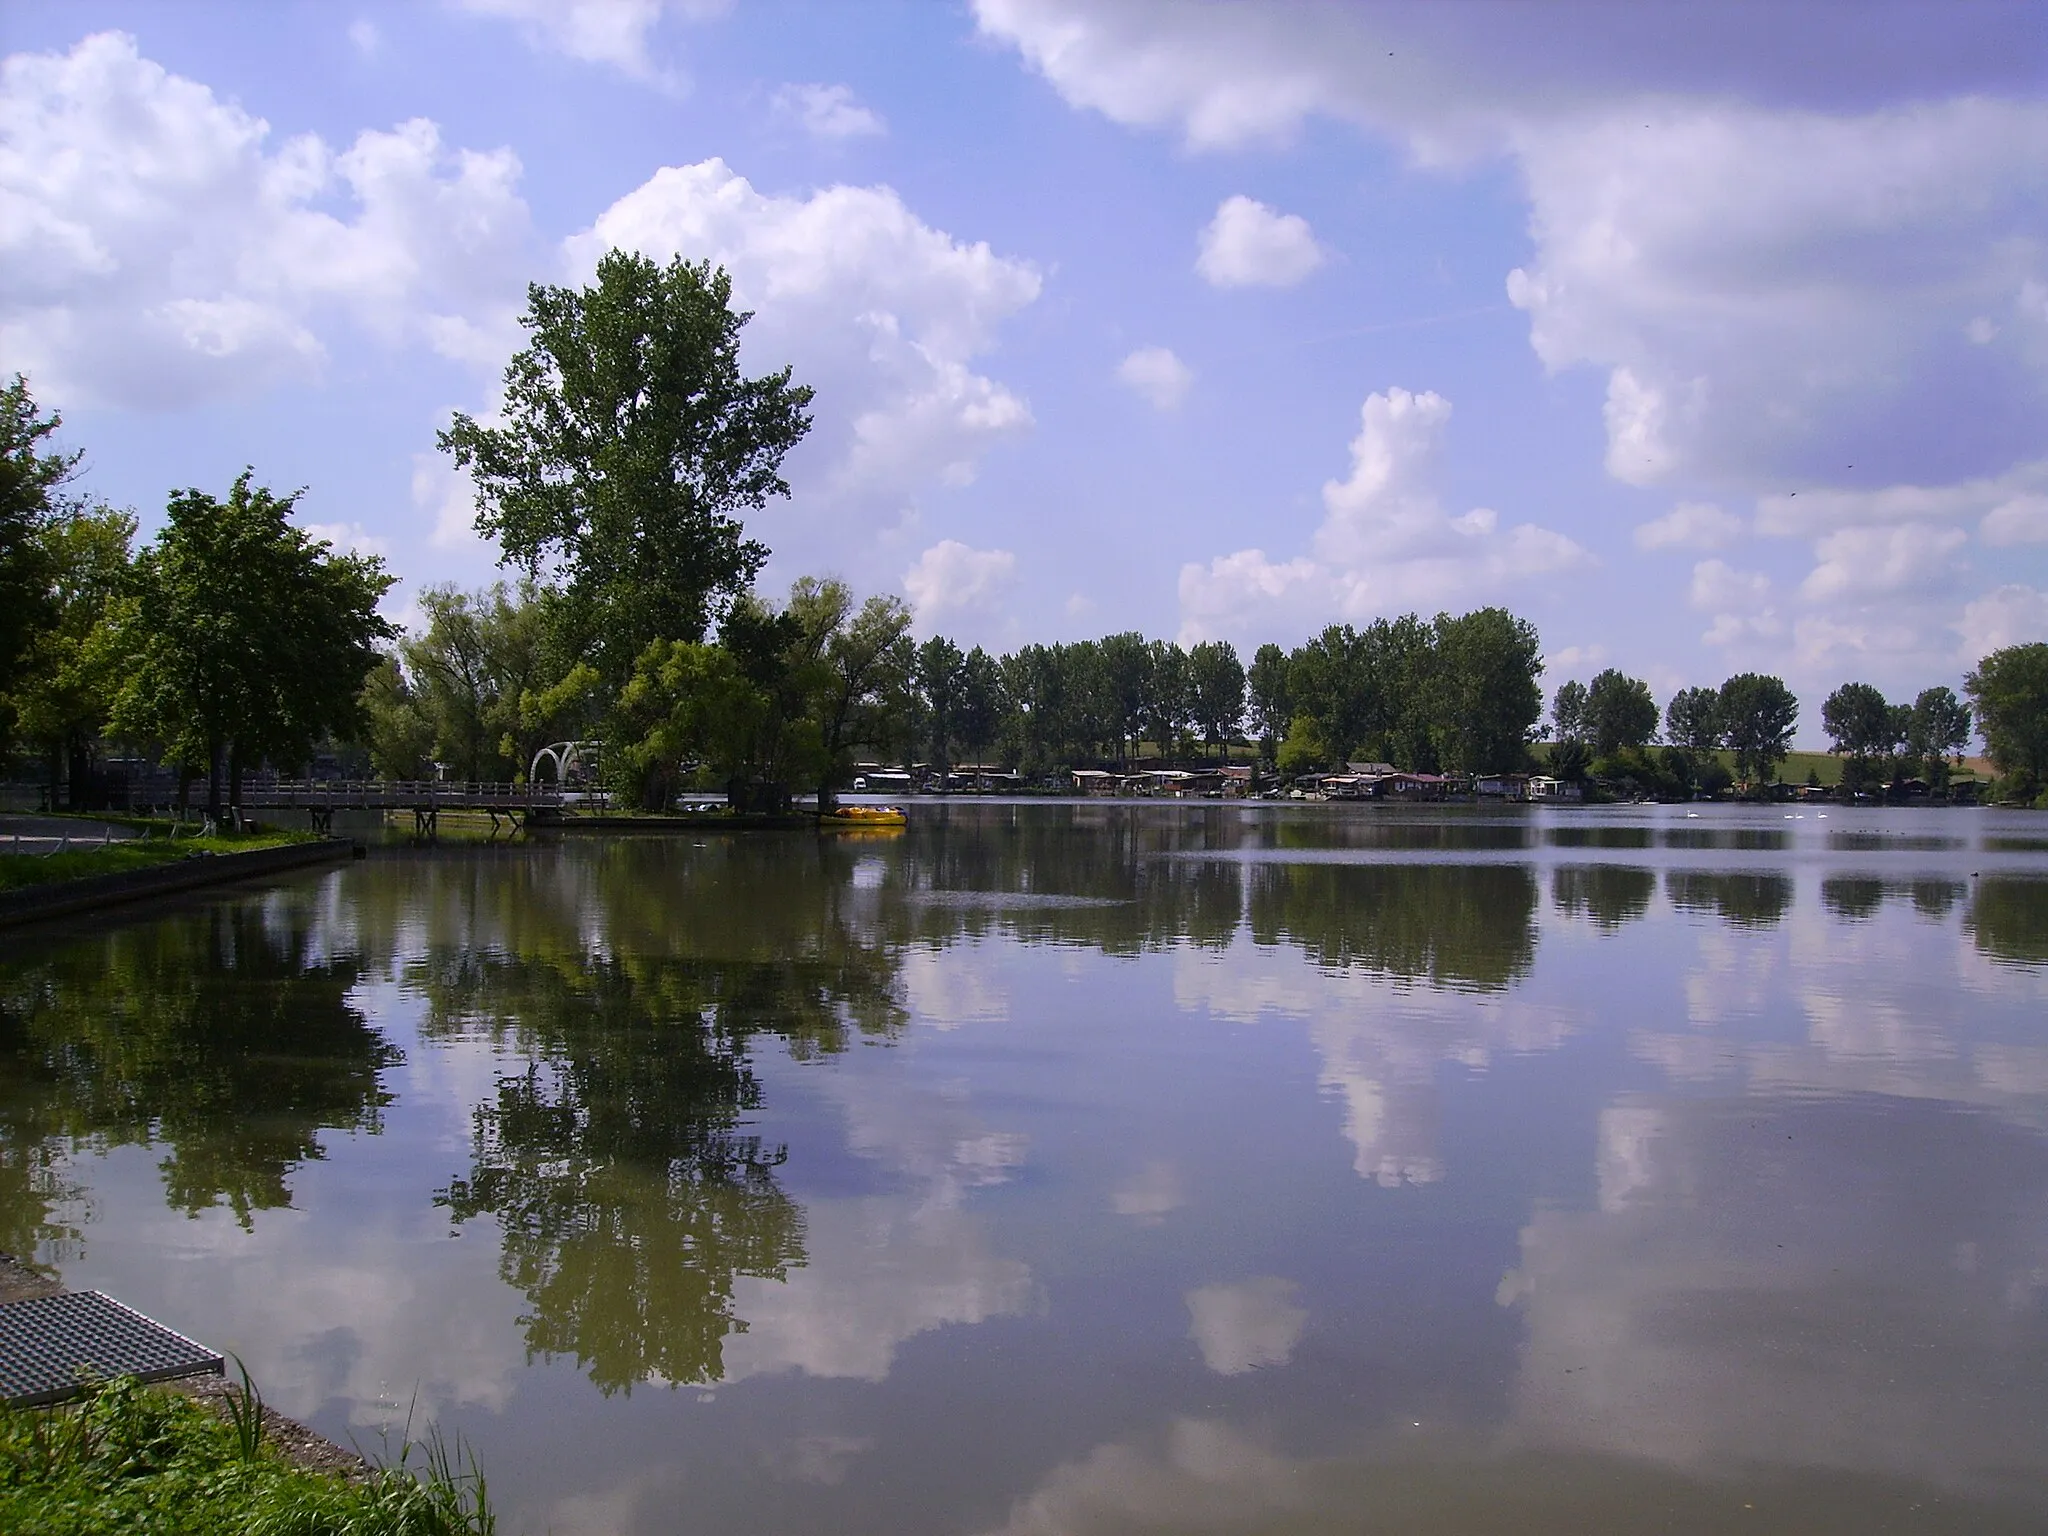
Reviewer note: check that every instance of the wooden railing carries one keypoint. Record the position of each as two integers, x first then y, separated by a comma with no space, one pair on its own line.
408,794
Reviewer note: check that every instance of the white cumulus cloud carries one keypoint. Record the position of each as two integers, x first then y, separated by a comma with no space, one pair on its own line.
2009,615
613,32
1385,543
1229,75
1778,294
952,575
879,312
1810,263
1818,510
1774,250
827,111
2022,520
1690,525
156,248
351,538
1251,245
1742,612
1157,375
1717,585
1879,562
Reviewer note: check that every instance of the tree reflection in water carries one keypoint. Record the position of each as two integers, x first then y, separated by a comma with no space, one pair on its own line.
223,1035
617,1163
1607,894
1745,898
628,1196
1113,877
1468,928
2008,919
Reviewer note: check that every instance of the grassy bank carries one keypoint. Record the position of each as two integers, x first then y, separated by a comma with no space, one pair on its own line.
1822,768
136,1458
19,871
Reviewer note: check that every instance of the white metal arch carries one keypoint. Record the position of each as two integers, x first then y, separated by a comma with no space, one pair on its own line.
564,755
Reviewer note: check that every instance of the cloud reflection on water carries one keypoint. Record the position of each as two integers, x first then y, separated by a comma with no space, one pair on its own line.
645,1069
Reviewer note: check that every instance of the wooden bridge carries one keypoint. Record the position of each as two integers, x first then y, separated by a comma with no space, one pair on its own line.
425,798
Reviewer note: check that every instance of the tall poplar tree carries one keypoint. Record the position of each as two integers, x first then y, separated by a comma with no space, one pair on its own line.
631,447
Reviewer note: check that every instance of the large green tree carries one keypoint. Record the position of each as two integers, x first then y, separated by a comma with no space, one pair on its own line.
396,731
632,445
1620,713
30,478
940,674
1216,678
1568,713
860,698
2010,691
1272,702
475,671
983,703
1936,732
1124,681
1692,719
1333,685
1866,730
1488,699
689,702
1758,714
252,639
1169,697
781,700
1858,721
67,679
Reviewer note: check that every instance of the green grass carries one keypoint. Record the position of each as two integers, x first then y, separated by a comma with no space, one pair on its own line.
136,1459
1824,766
19,871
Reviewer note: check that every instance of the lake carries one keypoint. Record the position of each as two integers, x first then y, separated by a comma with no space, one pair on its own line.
1101,1168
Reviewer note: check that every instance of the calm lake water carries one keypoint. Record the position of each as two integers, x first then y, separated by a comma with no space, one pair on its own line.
1055,1168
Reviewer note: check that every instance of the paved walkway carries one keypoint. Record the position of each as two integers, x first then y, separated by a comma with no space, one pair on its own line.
45,834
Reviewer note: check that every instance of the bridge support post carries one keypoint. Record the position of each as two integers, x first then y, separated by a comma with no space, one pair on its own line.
426,821
322,818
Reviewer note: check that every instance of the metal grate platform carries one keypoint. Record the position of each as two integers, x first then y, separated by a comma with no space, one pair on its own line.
53,1347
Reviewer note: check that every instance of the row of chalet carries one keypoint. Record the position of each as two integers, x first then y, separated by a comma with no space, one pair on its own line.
923,779
1230,782
1383,781
1234,781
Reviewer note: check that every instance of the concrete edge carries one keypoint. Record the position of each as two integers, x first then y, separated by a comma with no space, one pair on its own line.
69,898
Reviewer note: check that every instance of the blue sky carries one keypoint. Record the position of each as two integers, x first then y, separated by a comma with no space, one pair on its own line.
1710,338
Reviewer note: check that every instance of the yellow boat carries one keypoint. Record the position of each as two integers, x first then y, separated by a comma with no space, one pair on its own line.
864,818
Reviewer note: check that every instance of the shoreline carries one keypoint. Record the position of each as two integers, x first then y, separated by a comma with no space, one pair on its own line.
93,893
304,1448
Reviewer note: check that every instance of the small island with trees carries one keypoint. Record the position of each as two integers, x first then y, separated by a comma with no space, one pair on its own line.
617,481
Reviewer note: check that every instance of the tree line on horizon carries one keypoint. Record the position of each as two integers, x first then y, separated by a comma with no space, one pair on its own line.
630,449
1606,730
